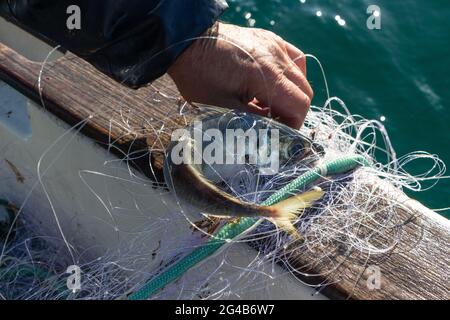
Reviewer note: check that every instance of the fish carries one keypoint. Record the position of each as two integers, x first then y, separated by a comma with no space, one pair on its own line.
195,184
294,148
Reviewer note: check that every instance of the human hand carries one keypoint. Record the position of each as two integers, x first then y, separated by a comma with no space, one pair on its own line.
245,68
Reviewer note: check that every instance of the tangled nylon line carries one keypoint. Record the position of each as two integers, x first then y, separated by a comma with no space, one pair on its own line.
362,223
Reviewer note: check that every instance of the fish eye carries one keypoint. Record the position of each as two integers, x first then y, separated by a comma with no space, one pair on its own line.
296,149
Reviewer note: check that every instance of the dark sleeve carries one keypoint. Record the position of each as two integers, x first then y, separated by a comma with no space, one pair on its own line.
133,41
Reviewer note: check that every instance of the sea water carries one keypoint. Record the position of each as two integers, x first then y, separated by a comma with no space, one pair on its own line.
398,74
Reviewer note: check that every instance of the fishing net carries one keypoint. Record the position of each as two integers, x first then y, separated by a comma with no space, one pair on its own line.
125,229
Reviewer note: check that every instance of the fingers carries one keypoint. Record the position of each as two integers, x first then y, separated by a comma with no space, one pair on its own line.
287,102
297,56
299,79
288,95
290,104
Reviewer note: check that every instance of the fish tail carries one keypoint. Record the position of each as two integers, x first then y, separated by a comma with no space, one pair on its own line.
285,213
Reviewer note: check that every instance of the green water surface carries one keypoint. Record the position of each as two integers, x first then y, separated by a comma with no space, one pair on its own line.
400,72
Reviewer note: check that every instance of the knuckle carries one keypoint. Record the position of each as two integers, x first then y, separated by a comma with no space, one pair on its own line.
259,30
268,33
274,72
278,38
310,90
301,54
311,94
307,101
277,53
300,60
272,36
262,32
281,82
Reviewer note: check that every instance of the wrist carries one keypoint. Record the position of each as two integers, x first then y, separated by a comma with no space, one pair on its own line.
195,49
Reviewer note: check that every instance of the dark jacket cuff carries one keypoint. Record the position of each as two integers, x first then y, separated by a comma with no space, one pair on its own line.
133,41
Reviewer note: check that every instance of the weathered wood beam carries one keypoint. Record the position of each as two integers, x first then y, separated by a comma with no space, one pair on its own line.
418,268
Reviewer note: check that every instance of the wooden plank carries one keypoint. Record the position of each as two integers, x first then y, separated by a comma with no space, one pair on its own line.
74,91
418,267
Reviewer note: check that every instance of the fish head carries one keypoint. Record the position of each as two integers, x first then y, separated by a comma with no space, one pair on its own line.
296,148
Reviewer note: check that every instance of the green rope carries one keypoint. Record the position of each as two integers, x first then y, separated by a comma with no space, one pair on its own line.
232,230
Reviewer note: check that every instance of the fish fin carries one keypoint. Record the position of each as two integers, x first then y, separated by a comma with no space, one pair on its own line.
287,211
